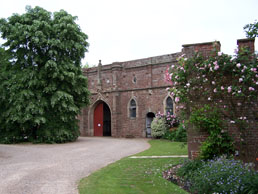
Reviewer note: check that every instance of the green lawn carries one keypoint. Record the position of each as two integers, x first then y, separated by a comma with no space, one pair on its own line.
136,175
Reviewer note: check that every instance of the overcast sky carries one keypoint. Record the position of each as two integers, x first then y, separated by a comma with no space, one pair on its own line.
122,30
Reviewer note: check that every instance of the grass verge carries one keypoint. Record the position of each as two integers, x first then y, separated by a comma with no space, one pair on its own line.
133,176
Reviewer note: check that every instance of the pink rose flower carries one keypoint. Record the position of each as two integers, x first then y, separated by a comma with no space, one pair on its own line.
229,89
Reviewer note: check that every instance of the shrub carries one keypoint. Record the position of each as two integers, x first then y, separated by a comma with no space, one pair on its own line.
219,142
188,168
178,134
220,175
158,127
170,119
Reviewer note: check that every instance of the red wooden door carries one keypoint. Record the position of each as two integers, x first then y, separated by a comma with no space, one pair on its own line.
98,120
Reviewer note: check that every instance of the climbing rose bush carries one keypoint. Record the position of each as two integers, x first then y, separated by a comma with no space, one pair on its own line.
217,78
170,119
229,83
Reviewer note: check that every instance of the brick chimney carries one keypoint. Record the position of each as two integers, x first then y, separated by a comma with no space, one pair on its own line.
206,48
247,43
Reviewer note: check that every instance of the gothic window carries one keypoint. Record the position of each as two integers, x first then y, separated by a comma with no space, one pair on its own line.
134,79
132,108
169,105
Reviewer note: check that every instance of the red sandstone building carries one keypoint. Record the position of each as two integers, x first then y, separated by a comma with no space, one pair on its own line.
127,95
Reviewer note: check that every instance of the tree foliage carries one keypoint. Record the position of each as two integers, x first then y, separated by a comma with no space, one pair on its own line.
251,30
42,86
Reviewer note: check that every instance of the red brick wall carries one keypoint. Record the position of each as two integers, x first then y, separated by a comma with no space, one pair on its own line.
246,140
118,87
142,80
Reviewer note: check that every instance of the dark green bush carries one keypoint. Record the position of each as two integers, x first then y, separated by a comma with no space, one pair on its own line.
178,134
219,142
189,167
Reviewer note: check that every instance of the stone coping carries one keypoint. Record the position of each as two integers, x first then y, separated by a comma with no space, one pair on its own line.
173,156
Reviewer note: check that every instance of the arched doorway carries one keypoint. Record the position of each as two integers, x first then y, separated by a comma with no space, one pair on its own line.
102,120
149,118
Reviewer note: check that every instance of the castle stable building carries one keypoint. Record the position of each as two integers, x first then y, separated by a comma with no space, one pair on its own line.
125,96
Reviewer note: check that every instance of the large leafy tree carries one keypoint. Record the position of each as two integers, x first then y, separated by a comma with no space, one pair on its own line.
251,30
42,85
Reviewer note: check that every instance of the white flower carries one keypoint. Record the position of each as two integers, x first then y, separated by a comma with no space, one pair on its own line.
232,121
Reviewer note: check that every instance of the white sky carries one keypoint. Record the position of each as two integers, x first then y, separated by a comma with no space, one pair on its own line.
121,30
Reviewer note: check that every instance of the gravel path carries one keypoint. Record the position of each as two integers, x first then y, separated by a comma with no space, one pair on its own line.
57,168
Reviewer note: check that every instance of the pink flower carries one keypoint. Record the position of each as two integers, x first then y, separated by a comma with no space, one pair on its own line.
251,89
167,89
215,62
216,67
215,90
238,65
240,79
213,82
177,99
219,53
222,88
229,89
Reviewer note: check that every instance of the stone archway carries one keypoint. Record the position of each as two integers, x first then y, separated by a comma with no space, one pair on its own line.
100,119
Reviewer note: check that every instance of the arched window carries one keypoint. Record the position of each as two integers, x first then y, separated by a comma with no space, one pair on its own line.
169,106
132,108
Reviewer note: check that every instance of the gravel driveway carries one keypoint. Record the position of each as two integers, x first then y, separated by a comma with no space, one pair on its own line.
57,168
